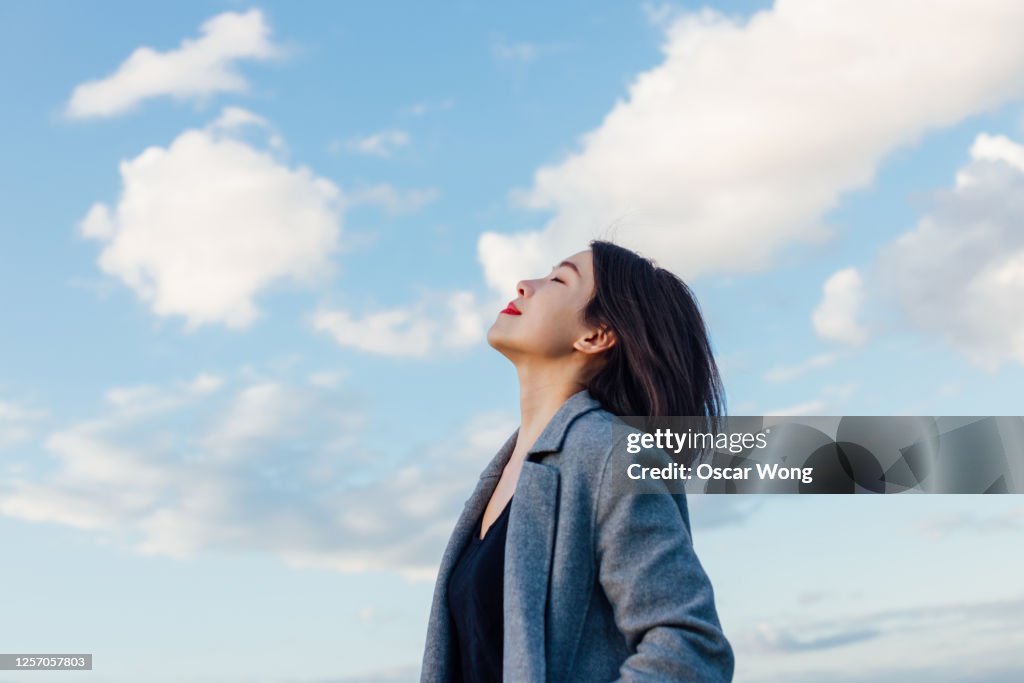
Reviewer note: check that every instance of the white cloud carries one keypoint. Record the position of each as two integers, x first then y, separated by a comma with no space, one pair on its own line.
438,321
327,379
267,466
259,412
139,400
381,144
206,383
737,144
233,118
198,69
17,423
393,332
521,51
787,373
12,411
960,272
392,200
830,401
836,316
938,527
840,391
906,641
205,224
661,14
420,108
810,408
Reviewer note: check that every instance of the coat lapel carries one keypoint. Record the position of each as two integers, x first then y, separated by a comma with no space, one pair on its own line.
528,551
528,554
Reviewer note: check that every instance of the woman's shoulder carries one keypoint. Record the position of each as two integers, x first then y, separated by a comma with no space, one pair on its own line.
598,448
592,439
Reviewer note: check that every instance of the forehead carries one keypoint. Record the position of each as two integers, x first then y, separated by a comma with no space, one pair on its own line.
583,260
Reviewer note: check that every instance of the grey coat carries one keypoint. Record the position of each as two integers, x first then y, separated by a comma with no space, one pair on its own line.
599,585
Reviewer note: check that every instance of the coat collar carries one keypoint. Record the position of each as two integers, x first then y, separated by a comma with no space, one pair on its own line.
528,550
553,436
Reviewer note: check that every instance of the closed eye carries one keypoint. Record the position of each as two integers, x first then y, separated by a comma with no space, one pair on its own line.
557,279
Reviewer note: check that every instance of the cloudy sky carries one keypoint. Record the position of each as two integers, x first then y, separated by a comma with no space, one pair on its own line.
249,254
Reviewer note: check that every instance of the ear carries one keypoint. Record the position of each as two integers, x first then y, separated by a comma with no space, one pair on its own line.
598,340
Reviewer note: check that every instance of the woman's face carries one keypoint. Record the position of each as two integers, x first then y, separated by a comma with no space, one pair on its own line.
549,319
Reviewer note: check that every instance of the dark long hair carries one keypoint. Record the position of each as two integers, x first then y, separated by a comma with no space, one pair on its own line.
661,363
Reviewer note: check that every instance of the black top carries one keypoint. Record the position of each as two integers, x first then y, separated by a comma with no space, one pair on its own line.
475,602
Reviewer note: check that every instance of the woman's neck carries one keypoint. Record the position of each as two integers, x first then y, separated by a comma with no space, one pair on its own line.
541,394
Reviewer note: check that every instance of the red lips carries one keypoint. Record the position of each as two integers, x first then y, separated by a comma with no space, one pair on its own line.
511,309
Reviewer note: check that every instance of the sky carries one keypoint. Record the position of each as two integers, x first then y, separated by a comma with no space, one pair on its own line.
249,254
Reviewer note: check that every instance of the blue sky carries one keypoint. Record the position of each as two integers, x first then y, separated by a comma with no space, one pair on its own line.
249,253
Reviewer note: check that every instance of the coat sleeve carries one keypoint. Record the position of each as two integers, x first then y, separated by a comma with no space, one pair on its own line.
661,598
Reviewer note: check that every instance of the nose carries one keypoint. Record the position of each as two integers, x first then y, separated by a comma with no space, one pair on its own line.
521,287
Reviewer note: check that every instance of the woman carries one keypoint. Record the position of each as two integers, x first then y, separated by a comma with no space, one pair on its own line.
551,574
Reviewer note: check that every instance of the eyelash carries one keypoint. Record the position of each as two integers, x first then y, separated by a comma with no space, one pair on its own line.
556,279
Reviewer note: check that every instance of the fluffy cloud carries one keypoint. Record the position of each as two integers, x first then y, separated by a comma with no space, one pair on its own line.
380,144
205,224
17,423
272,466
197,69
960,272
438,321
390,199
746,134
836,317
787,373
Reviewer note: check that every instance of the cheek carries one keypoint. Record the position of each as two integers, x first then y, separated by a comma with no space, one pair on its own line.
560,332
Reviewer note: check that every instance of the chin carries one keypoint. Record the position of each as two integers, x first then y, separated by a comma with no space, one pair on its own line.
493,338
497,341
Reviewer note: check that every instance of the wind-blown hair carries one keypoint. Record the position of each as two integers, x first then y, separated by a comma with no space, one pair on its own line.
661,363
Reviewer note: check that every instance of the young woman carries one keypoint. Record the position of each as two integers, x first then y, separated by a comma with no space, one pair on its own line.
553,572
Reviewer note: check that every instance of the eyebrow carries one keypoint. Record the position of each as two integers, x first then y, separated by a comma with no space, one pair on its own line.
570,264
